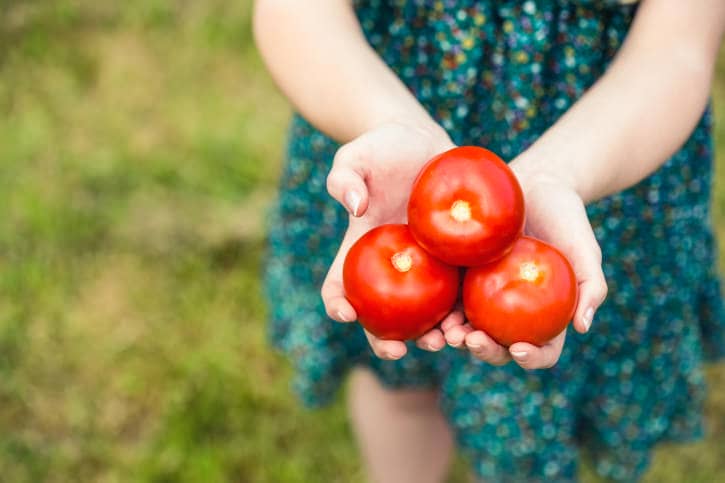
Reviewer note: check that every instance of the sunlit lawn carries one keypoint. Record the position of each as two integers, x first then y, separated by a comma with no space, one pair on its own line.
139,147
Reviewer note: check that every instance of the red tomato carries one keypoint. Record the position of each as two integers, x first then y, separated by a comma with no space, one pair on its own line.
466,207
527,296
398,290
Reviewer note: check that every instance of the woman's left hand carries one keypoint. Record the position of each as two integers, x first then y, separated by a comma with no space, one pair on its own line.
555,213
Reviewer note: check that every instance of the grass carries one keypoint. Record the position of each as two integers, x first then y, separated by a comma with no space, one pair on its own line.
140,143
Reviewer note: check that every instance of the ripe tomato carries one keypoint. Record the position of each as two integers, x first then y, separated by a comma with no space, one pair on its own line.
466,207
527,296
398,290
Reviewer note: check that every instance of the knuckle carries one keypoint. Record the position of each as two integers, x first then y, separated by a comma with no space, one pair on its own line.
343,154
332,181
339,163
325,294
353,154
597,252
601,290
604,291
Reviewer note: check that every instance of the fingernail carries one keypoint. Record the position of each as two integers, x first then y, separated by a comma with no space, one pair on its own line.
352,200
454,342
474,346
519,354
587,318
342,317
391,355
432,348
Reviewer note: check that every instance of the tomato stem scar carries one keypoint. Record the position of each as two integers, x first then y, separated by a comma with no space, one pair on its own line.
461,210
529,271
402,262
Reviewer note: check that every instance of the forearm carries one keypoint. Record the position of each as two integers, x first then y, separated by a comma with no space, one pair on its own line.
642,110
319,57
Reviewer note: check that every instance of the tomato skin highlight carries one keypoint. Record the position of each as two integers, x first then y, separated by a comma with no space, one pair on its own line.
529,295
466,207
397,303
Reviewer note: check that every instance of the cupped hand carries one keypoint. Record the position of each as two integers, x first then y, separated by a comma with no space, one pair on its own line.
555,213
372,177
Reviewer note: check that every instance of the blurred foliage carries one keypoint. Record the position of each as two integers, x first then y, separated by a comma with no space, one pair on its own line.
139,146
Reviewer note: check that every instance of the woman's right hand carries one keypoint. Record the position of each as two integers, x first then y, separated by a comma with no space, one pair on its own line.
372,177
556,214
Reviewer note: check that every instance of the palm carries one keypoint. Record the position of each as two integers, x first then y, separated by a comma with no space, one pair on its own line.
557,216
394,156
554,213
381,166
384,162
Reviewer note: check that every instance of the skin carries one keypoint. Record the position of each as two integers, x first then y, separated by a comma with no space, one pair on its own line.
403,435
664,67
632,120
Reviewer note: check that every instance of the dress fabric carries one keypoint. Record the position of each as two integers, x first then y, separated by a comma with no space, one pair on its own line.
498,74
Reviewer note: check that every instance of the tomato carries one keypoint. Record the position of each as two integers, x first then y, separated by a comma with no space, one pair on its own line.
398,290
527,296
466,207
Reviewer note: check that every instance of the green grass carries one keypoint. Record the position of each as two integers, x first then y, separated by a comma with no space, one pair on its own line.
140,142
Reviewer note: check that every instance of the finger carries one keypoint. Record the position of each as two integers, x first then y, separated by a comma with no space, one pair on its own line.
456,335
336,305
453,328
432,340
386,349
333,290
530,356
573,235
592,294
486,349
587,264
453,319
346,179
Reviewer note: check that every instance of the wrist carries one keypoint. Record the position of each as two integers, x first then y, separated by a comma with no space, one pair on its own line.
425,126
423,123
533,171
440,139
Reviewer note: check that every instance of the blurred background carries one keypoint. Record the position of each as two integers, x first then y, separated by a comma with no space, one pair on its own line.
140,142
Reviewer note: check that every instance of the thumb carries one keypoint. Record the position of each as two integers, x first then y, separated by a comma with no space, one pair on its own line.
346,179
592,284
333,290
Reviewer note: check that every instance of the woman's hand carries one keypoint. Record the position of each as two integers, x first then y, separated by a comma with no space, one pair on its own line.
372,177
554,213
671,48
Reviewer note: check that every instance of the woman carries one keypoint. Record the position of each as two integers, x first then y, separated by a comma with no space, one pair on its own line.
599,104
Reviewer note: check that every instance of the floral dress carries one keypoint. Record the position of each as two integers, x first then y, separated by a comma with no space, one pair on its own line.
498,73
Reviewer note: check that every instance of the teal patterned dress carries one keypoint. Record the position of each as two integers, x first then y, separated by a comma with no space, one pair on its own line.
497,73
